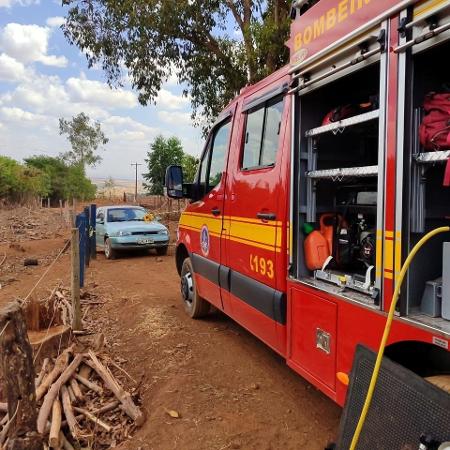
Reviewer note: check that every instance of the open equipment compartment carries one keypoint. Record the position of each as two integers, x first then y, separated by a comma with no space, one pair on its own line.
426,201
338,191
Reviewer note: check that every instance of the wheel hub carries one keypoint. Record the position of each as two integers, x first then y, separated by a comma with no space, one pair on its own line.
187,287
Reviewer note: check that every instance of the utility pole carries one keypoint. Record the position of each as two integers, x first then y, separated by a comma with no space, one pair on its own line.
136,181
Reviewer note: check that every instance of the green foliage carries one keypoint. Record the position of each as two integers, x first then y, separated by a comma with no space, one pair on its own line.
194,39
9,176
163,152
85,139
56,170
18,182
190,165
43,176
78,185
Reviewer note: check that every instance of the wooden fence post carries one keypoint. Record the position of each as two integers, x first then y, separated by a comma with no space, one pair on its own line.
75,278
19,376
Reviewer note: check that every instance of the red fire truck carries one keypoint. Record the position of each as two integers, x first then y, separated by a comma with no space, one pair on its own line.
313,187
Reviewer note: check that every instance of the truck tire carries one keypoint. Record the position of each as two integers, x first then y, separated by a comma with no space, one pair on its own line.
195,306
441,381
109,251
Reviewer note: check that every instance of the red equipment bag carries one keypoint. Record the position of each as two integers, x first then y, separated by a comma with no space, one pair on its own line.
434,130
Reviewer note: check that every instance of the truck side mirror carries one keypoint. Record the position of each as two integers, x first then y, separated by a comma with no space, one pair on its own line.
174,182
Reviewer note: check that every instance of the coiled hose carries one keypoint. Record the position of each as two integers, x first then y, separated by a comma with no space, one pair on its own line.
387,330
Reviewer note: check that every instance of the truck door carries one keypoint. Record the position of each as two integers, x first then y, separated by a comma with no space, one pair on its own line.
204,218
253,217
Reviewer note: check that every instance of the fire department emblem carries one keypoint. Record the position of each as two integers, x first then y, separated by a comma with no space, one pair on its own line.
204,240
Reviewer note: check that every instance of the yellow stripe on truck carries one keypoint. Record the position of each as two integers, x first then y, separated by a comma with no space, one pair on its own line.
246,231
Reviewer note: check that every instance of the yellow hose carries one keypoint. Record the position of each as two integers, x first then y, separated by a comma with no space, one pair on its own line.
387,330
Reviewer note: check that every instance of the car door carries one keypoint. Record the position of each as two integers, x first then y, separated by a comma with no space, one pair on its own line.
255,209
100,227
204,217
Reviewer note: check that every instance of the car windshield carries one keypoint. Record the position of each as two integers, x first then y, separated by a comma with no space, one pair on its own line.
126,214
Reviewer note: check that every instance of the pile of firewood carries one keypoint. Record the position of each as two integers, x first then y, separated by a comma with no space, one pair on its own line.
81,404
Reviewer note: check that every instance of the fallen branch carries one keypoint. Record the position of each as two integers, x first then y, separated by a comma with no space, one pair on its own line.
94,419
76,390
42,372
55,426
73,399
66,445
71,421
53,392
89,384
60,365
124,397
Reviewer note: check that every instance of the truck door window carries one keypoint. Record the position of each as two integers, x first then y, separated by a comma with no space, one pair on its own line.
262,134
218,155
213,162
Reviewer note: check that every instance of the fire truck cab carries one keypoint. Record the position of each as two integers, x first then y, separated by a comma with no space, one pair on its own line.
313,187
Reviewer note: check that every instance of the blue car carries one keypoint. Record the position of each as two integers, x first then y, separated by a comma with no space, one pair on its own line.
129,228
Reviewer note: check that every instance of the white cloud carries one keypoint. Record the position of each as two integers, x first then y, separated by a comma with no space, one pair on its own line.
10,69
9,3
168,100
29,43
175,118
14,114
84,90
55,22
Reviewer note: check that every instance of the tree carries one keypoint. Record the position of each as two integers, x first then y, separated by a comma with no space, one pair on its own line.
85,139
17,182
109,186
163,152
190,165
197,39
56,170
65,181
78,185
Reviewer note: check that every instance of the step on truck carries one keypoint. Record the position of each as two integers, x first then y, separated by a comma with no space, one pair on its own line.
315,184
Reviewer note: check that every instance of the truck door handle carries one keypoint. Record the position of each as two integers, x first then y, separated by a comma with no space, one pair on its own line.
215,211
266,216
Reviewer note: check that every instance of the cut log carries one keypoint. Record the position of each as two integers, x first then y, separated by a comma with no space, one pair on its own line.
53,392
111,406
3,407
106,408
68,412
55,427
76,390
60,365
124,397
19,377
89,384
42,372
93,419
73,399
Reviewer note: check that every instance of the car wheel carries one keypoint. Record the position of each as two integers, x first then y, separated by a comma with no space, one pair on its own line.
109,251
161,251
195,306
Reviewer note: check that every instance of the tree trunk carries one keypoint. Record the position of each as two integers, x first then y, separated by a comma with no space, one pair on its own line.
19,375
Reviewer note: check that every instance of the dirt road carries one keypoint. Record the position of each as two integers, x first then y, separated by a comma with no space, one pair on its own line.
229,389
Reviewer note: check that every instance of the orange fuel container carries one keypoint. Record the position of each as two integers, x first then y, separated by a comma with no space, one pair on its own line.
327,230
316,250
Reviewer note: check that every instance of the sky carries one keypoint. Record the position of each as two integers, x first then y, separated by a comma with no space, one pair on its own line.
43,78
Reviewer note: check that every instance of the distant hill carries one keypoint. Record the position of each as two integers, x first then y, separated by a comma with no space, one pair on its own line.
120,186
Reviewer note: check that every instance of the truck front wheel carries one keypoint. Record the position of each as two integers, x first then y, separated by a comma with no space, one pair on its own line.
195,306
